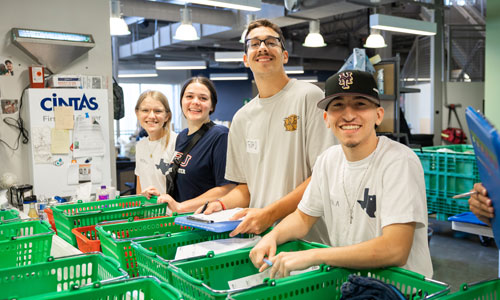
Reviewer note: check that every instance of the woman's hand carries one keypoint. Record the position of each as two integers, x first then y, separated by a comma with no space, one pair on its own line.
150,191
173,205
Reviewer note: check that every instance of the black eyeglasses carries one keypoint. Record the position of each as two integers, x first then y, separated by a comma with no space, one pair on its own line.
270,42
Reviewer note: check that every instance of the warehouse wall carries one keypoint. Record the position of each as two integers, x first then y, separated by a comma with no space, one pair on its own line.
89,16
492,85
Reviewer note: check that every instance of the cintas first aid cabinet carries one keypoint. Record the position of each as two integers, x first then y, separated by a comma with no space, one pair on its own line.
69,139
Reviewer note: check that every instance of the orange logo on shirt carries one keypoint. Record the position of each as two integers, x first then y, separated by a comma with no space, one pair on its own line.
291,123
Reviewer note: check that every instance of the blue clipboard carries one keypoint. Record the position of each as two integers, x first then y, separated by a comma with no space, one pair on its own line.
486,142
215,227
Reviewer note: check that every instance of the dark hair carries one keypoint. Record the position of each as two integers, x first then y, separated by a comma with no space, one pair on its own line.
265,23
8,61
207,83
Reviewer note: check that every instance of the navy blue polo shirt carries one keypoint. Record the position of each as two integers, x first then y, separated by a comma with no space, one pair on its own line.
205,165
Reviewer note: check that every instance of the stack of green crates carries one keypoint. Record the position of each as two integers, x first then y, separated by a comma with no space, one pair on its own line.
326,283
25,242
116,238
207,278
69,216
139,288
44,280
448,174
9,215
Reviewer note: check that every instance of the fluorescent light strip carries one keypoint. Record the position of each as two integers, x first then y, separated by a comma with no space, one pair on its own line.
229,56
404,25
136,73
252,5
229,76
181,65
294,69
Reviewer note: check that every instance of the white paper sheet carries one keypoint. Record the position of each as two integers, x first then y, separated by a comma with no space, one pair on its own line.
220,216
88,140
258,278
40,137
217,246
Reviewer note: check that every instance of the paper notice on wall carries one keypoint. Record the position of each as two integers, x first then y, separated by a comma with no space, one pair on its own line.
59,141
40,137
88,140
64,117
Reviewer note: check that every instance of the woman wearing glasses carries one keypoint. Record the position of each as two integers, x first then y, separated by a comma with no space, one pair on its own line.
200,177
154,153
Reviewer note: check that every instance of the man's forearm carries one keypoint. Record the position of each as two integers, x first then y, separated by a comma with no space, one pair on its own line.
237,197
288,204
295,226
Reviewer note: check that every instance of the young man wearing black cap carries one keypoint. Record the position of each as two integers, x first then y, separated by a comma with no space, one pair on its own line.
369,189
274,140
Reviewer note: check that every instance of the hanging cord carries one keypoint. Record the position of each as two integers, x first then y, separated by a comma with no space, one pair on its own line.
17,124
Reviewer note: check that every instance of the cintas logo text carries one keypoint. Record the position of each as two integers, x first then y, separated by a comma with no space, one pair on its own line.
78,103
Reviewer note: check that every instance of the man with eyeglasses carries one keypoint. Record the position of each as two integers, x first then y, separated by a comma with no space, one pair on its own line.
273,140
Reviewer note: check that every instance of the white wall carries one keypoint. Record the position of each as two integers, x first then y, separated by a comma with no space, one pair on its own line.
418,109
90,17
466,94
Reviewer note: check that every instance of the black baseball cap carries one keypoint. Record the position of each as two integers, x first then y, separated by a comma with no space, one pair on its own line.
348,83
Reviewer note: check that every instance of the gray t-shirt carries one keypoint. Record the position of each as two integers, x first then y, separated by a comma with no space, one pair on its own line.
274,142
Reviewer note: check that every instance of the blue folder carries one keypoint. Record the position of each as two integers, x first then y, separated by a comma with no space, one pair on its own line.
486,142
215,227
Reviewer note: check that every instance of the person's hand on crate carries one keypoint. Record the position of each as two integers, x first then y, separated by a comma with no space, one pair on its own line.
265,249
150,191
480,204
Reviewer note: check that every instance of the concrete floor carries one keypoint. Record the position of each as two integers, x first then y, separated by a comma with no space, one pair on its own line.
459,257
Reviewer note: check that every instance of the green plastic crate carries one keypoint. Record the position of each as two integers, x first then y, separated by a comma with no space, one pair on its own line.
116,238
9,215
206,278
153,256
448,174
138,288
25,242
69,216
326,283
483,290
57,275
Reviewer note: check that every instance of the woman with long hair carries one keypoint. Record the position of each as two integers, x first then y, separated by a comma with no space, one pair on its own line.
154,153
200,177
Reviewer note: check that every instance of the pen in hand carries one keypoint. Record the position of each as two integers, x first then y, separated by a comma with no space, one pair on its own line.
204,207
268,262
465,195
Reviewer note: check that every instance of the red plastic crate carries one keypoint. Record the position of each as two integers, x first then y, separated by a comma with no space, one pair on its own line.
87,238
50,215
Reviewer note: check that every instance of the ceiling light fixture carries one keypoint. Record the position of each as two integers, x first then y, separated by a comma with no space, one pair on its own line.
181,65
117,25
375,40
186,31
229,56
250,19
404,25
294,69
314,39
248,5
137,73
229,76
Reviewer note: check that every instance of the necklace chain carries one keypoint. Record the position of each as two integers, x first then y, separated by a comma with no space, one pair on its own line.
154,148
357,191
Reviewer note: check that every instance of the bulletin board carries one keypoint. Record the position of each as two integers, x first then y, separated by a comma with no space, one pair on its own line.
69,139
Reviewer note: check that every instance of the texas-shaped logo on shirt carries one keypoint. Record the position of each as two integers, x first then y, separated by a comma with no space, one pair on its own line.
369,204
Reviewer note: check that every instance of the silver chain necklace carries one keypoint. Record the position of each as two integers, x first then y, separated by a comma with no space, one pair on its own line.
349,205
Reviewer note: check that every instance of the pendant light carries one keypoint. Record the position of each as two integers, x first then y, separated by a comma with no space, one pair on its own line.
186,31
117,25
314,39
375,40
